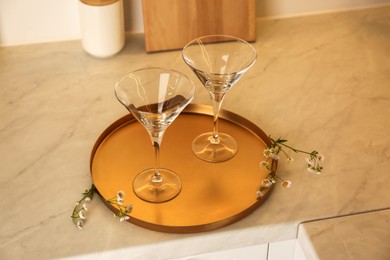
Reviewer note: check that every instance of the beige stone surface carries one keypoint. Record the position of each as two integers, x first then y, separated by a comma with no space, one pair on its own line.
360,236
322,82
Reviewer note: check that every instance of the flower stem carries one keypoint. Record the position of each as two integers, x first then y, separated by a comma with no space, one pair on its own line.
292,148
87,194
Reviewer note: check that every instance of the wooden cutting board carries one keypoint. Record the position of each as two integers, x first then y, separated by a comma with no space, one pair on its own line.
171,24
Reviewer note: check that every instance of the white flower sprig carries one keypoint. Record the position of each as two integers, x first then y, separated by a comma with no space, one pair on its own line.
272,154
79,212
123,210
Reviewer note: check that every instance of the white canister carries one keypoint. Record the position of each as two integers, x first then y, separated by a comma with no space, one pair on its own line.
102,27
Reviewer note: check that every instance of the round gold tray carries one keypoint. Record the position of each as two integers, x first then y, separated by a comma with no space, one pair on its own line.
213,194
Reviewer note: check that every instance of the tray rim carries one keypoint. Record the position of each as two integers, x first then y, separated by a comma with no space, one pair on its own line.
190,109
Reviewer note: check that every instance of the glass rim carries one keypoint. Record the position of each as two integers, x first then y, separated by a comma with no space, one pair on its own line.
193,42
226,36
191,89
154,68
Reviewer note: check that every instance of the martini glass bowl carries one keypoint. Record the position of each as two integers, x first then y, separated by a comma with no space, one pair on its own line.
155,97
219,61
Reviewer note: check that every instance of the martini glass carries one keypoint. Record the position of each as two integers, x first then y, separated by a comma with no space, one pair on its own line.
155,97
219,61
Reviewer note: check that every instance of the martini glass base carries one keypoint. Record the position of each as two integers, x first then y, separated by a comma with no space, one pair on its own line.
204,147
157,192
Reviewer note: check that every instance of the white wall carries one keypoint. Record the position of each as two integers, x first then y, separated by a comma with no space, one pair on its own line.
287,8
27,21
34,21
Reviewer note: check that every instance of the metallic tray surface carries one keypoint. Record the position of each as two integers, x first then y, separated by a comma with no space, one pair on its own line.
213,194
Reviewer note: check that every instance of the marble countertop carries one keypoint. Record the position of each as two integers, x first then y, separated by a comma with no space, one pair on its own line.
322,82
358,236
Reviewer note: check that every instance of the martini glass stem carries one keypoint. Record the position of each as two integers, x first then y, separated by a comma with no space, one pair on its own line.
156,140
217,104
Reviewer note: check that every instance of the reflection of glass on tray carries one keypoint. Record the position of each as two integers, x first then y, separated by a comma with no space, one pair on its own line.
213,194
155,97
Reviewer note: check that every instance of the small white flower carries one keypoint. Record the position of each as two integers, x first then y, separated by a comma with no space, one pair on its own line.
286,184
265,165
80,224
129,208
87,199
271,178
310,169
266,183
124,218
81,214
266,152
121,194
277,149
273,152
259,194
313,170
120,197
309,162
